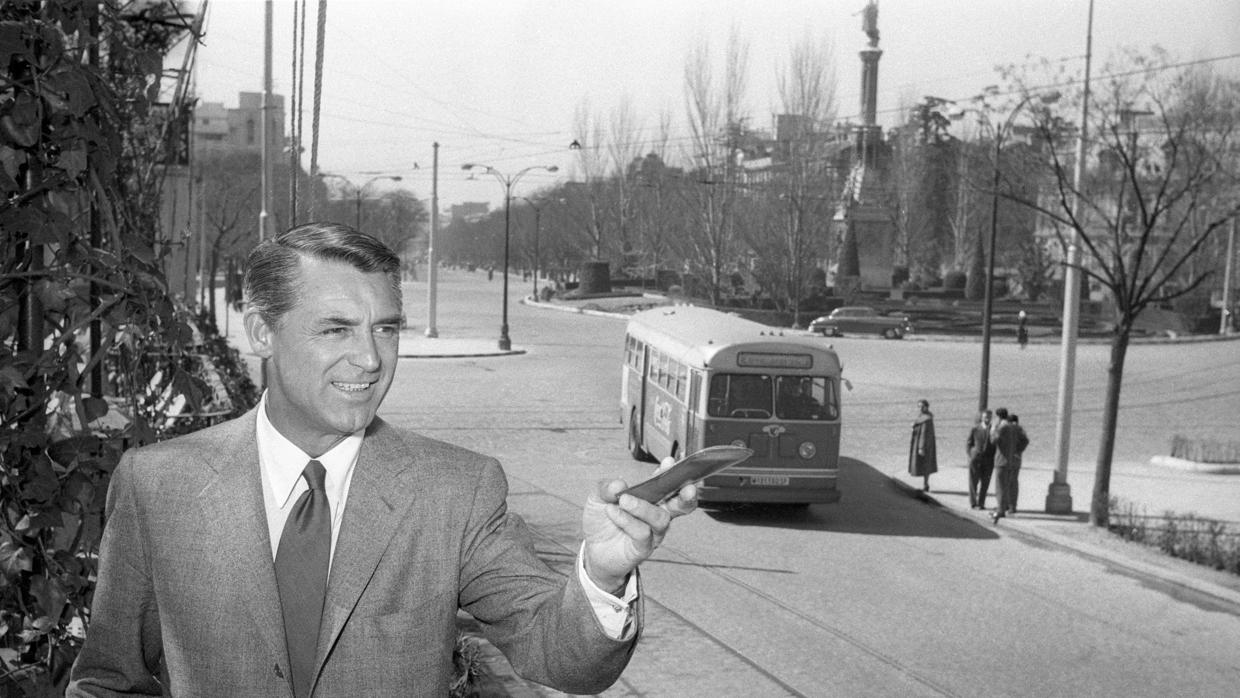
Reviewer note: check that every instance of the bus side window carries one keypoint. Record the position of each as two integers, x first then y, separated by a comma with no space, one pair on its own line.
824,390
716,403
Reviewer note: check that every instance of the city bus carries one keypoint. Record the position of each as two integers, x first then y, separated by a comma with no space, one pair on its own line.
695,377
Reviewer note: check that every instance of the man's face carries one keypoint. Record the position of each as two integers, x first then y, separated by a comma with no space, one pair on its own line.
332,357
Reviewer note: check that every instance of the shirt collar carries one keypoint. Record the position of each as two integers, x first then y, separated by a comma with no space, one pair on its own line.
282,462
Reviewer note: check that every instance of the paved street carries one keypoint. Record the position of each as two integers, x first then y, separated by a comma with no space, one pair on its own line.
888,592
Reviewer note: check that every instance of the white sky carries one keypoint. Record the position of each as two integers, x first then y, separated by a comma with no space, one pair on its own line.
498,81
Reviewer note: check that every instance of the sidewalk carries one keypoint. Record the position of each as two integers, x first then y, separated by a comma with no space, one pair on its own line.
949,488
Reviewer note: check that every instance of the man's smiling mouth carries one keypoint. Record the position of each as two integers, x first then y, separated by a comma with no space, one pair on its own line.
351,387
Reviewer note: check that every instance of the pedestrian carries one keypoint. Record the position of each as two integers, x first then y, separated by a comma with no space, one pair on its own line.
1010,443
1022,332
1021,439
204,590
922,460
981,450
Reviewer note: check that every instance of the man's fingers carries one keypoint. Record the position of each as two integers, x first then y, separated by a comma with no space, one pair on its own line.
685,501
665,464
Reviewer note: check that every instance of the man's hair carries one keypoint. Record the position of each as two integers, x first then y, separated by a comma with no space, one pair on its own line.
272,281
1001,413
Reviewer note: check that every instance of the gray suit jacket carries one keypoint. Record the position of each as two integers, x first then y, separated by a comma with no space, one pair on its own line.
186,601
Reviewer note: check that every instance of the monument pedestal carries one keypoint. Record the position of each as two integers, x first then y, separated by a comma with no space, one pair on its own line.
1059,498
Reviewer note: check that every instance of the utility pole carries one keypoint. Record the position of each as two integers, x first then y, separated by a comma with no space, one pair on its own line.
1059,494
264,128
432,274
1224,324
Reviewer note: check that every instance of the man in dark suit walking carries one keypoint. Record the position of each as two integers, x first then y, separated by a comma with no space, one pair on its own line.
981,450
1010,442
311,548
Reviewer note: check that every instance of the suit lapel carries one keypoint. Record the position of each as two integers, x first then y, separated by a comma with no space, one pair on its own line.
235,494
376,504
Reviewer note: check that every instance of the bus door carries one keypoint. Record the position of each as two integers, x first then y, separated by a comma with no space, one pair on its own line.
692,441
643,377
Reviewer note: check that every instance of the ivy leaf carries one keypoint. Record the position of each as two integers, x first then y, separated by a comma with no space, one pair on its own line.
94,408
51,597
71,91
13,559
72,161
12,379
11,41
21,125
11,162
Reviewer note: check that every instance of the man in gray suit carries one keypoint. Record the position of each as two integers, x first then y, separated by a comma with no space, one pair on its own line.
310,548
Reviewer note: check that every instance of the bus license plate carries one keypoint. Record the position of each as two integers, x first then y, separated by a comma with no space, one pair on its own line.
769,480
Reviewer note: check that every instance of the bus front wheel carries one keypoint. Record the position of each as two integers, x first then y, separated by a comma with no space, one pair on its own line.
635,440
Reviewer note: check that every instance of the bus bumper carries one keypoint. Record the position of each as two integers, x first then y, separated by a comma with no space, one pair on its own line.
766,495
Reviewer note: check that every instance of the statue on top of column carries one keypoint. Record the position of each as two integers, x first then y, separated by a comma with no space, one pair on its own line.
869,22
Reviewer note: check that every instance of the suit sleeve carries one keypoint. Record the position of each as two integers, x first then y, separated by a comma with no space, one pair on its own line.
122,653
542,621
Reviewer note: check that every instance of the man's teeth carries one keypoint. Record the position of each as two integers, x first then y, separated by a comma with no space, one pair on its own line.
352,387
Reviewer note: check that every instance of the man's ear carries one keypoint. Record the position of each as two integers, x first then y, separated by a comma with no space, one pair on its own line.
259,333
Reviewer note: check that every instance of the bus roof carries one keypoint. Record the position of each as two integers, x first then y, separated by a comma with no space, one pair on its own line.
695,336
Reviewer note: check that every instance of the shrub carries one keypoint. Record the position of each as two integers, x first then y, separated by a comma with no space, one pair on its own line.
1187,536
80,131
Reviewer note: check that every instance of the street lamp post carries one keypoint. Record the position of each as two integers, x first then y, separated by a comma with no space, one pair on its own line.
358,192
1059,493
988,298
505,343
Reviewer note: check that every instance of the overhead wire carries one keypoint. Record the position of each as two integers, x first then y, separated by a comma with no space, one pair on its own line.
537,139
318,100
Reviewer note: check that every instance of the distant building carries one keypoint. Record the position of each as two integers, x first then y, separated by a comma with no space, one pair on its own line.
468,212
219,128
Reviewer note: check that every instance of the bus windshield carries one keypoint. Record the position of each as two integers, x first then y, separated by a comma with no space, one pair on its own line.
756,396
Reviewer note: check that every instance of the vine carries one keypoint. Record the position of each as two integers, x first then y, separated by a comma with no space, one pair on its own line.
98,354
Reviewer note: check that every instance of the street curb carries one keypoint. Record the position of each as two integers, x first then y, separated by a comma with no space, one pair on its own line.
1193,466
573,309
1216,592
1056,339
916,337
462,355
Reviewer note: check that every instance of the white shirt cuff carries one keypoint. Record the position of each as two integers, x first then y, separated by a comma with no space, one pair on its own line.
615,614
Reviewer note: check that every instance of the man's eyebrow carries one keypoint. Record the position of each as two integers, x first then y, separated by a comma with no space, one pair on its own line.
332,320
337,320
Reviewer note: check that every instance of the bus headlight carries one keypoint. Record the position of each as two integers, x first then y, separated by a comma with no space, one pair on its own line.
739,443
807,449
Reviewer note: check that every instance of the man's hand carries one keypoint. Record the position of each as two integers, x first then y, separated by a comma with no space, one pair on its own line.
622,531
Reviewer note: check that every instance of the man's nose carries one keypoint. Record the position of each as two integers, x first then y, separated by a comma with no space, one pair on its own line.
365,353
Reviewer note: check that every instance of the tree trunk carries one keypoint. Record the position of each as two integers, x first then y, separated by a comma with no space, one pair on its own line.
975,283
1099,509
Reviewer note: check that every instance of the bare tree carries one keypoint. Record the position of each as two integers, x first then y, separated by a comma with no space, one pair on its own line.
716,116
802,186
623,147
592,159
1162,182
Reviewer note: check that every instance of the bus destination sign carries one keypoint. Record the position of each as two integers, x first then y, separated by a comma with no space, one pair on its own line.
756,359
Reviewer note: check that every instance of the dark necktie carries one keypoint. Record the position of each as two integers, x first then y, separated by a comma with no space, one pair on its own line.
301,574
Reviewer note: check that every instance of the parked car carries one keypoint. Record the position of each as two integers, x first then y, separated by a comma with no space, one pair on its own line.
862,320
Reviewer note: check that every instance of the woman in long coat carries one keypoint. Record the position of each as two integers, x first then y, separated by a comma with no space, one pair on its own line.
922,459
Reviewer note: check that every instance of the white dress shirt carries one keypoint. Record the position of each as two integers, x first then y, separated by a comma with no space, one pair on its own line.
281,463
